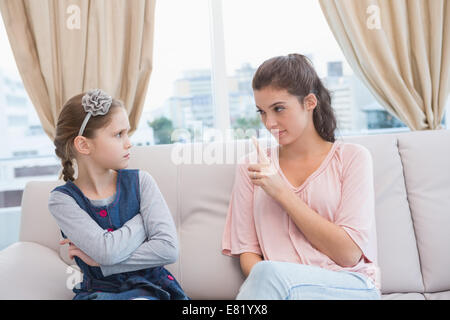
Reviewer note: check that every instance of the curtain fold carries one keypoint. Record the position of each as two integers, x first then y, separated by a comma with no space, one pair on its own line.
65,47
401,50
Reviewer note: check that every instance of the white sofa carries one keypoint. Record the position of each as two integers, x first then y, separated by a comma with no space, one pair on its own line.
412,186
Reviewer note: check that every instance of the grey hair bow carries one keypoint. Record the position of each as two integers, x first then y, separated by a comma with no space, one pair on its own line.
95,102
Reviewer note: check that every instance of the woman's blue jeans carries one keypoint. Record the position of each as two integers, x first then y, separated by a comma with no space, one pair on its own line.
273,280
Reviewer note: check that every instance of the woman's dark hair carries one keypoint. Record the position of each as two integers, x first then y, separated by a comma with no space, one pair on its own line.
295,73
69,123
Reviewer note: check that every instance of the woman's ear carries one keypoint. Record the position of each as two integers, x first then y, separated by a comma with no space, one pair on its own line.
310,102
82,145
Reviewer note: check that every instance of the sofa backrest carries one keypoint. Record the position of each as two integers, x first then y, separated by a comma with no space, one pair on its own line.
412,190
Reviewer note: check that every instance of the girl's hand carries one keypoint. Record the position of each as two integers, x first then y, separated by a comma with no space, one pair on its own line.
75,251
265,175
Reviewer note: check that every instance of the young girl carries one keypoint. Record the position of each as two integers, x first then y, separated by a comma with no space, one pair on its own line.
116,221
306,228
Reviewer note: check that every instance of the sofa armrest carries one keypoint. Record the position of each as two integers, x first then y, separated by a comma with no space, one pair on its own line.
29,270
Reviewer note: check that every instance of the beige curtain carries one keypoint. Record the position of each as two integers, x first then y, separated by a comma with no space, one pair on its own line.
401,51
65,47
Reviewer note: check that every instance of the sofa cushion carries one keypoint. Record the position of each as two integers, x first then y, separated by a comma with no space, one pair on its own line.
426,158
205,193
403,296
444,295
202,191
36,222
397,246
34,271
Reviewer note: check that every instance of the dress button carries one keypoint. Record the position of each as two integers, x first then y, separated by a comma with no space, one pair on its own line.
170,277
110,229
103,213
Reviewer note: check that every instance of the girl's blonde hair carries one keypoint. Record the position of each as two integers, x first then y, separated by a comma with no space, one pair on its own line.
69,122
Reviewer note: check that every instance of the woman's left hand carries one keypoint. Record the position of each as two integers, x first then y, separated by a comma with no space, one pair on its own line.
75,251
265,175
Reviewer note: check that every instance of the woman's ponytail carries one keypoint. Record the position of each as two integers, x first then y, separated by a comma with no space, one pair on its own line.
323,115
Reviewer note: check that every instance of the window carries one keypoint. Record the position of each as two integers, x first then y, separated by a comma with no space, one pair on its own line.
25,151
16,101
180,89
256,30
17,121
10,198
36,171
181,93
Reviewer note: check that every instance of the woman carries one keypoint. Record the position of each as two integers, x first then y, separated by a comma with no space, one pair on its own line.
307,231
